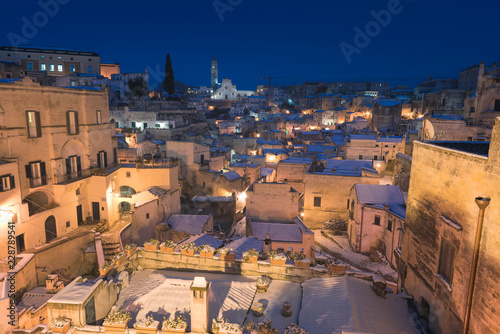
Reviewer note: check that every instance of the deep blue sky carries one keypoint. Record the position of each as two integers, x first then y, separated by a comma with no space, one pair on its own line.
294,39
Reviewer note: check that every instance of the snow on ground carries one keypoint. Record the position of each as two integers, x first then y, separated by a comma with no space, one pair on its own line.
278,292
341,249
348,304
163,293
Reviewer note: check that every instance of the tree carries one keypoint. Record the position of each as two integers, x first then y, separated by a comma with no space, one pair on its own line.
169,82
137,86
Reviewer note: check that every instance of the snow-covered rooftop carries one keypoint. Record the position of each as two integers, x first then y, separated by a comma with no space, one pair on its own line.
232,176
242,245
277,231
203,239
191,224
346,304
379,194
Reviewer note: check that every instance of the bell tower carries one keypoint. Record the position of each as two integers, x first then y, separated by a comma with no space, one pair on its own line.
214,71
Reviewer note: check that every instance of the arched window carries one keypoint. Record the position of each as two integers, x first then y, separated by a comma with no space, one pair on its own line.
124,207
127,192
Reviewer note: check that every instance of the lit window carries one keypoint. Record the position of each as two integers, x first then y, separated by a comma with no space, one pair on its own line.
43,67
52,67
43,57
99,117
7,182
59,58
72,68
34,128
72,122
59,68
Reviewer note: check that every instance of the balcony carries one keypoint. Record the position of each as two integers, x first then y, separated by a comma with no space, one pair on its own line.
106,171
157,163
73,177
38,182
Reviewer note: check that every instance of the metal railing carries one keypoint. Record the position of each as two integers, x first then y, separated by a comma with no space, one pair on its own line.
72,177
38,182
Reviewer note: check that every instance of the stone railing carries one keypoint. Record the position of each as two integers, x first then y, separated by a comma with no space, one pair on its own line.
177,261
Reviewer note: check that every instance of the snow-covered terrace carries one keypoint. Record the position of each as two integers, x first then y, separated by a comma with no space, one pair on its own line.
320,305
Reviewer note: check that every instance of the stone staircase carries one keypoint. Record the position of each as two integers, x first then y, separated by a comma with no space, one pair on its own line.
110,245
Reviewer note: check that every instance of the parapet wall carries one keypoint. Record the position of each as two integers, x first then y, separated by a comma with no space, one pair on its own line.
177,261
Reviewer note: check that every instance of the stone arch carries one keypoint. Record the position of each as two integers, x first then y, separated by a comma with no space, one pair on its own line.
38,201
124,207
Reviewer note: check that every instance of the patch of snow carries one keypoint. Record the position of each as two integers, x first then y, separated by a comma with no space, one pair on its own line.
342,250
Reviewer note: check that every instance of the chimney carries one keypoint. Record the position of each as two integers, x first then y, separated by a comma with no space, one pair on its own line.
199,305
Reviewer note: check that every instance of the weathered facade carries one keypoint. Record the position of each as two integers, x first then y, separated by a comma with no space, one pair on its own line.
442,216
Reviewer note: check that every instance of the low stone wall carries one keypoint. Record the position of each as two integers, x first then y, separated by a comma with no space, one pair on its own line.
176,261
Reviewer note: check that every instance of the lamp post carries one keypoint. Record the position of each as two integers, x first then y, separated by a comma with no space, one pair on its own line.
482,203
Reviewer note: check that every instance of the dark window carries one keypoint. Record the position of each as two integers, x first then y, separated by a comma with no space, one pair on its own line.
33,121
317,201
472,110
389,225
77,191
145,125
497,105
133,124
128,174
348,204
147,215
7,182
68,224
425,309
117,124
377,220
446,260
360,157
469,138
20,243
375,157
115,155
102,159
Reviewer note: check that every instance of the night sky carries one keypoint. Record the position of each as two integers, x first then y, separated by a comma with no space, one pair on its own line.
291,39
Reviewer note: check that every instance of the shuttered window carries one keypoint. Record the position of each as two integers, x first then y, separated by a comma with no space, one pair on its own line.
446,260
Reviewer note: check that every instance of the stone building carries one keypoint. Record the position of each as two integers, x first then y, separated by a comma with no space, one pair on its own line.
62,157
439,238
328,188
376,219
228,91
453,128
293,171
484,106
387,115
55,62
272,202
369,147
402,172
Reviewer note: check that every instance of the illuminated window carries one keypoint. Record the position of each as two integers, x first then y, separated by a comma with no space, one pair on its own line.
72,68
59,68
7,182
33,120
72,122
52,67
43,67
99,117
